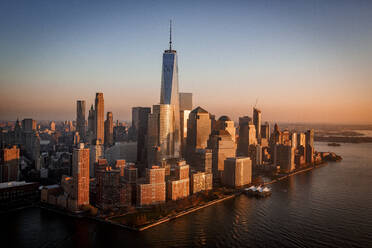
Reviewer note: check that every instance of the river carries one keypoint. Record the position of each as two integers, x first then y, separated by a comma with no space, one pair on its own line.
330,206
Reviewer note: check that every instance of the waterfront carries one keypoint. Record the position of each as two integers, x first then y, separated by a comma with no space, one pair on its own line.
326,207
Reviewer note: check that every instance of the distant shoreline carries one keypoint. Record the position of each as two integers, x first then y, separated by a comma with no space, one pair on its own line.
343,139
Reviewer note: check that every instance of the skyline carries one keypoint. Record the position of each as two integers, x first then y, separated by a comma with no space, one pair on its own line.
57,53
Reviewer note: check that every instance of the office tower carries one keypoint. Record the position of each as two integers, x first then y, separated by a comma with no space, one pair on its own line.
284,157
28,125
184,117
133,131
142,125
309,146
96,153
52,126
160,140
152,191
80,118
178,187
9,164
198,131
109,130
247,136
293,137
169,94
222,146
301,139
185,101
225,123
265,134
91,125
99,117
257,123
238,172
80,172
202,160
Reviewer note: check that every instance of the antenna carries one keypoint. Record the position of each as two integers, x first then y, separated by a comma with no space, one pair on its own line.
256,102
170,35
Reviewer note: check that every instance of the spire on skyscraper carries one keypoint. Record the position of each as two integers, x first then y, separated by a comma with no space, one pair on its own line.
170,35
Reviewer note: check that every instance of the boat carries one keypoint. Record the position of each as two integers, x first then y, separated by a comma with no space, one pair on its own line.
259,191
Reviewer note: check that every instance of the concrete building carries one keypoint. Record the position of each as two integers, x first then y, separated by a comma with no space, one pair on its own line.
80,172
96,153
109,130
15,194
200,181
198,132
99,117
247,136
28,125
285,157
265,134
152,190
257,123
9,164
110,192
222,147
90,134
184,117
202,160
52,126
225,123
178,187
80,118
310,146
185,101
238,172
141,130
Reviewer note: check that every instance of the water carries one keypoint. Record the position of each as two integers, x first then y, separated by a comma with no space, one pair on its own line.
327,207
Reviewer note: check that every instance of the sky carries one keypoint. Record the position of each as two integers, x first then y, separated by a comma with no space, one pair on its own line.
298,61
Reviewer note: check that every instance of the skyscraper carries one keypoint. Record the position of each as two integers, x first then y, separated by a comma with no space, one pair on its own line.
169,93
99,117
91,125
257,123
142,124
247,136
80,118
109,130
198,131
80,171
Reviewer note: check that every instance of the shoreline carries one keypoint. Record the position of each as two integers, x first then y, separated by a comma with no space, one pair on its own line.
169,218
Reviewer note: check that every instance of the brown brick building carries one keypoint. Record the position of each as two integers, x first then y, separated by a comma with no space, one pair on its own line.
152,191
80,171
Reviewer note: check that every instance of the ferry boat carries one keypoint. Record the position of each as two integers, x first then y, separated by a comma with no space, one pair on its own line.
259,191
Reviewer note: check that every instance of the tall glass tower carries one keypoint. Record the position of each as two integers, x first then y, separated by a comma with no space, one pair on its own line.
169,95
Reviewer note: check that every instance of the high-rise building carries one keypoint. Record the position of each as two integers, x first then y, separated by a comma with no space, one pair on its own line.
80,172
265,134
169,94
284,157
247,136
198,131
52,126
109,130
28,125
222,147
80,118
91,125
179,186
99,117
184,117
160,140
142,125
153,190
225,123
185,101
238,171
9,164
257,123
96,153
309,146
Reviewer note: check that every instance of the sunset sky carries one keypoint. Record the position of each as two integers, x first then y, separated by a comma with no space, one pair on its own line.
305,61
